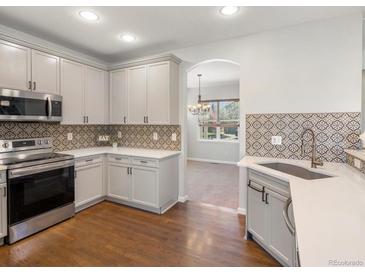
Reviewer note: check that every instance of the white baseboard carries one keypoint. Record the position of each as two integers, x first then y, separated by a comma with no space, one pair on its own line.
241,211
183,199
212,161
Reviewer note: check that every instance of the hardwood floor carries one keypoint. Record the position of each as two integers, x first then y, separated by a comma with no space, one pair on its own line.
108,234
215,184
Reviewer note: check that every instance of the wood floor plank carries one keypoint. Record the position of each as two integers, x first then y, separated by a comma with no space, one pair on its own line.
108,234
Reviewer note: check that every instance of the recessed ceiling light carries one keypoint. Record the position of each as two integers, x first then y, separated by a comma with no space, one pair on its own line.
88,15
128,38
229,10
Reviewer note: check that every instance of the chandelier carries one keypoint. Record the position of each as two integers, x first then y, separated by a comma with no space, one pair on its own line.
200,108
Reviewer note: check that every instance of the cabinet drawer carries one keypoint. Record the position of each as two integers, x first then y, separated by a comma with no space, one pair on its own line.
88,161
267,181
144,162
2,177
118,159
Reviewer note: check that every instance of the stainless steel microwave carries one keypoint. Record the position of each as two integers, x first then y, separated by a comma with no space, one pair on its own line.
20,105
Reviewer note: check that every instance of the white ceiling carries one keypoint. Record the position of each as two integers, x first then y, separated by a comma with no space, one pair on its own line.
214,74
158,29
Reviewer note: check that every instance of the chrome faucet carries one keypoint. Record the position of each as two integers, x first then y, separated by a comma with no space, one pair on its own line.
315,162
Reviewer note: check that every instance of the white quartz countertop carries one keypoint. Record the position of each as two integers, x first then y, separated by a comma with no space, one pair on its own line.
329,213
126,151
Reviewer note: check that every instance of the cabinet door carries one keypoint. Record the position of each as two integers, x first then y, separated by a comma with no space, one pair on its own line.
14,66
3,212
158,93
280,240
95,96
118,181
88,183
118,97
256,217
136,86
145,186
45,72
72,90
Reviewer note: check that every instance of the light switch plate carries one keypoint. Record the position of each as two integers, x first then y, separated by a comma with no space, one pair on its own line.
119,134
173,137
276,140
155,136
357,163
69,136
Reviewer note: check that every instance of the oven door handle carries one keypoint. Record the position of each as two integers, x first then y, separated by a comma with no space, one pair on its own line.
38,169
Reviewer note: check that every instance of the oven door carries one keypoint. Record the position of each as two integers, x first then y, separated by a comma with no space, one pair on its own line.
39,189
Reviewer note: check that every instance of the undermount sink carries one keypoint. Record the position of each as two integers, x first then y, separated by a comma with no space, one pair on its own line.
297,171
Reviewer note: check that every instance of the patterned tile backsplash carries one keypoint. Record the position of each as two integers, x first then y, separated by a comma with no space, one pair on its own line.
87,135
141,136
334,133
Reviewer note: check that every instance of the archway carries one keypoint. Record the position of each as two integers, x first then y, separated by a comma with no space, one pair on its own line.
220,143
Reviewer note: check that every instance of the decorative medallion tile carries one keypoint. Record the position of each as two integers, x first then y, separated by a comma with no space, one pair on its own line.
87,135
334,132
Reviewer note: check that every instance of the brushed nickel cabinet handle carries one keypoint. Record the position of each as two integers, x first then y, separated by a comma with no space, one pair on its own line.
34,85
30,85
4,193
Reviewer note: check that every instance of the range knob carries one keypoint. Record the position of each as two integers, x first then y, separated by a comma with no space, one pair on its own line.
46,141
5,145
39,142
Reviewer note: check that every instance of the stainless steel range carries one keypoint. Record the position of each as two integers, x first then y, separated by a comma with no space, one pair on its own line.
40,185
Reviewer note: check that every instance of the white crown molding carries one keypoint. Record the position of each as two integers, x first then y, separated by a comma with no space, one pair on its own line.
146,60
33,42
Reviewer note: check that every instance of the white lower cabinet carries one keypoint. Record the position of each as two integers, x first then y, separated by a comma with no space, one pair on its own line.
89,182
144,186
118,181
266,199
257,218
147,184
280,241
3,212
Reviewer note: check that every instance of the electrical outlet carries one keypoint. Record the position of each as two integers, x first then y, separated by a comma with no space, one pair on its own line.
276,140
173,137
357,163
69,136
155,136
119,134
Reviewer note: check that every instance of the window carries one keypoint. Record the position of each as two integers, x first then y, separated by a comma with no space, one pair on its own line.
222,122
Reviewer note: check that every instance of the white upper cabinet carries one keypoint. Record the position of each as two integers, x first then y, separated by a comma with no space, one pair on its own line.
72,91
84,93
45,72
118,96
15,70
158,93
95,96
137,93
145,94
